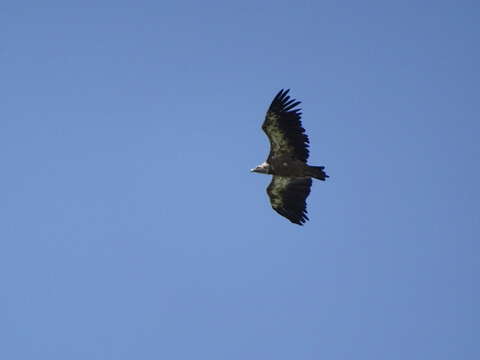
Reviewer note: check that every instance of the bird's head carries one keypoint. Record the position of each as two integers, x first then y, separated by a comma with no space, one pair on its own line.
262,168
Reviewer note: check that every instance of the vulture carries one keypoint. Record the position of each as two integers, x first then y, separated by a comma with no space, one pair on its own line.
287,161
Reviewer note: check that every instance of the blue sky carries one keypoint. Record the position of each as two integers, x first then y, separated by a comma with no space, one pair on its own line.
132,227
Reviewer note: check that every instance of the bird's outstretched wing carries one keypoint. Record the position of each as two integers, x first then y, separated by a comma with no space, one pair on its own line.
284,129
288,197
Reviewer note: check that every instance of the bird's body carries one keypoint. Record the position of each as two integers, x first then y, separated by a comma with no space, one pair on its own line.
287,161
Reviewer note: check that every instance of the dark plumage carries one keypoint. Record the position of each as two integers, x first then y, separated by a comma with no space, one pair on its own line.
287,161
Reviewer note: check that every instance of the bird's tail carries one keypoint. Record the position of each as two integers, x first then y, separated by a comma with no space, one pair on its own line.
317,172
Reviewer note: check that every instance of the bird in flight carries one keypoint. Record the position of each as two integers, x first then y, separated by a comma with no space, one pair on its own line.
287,161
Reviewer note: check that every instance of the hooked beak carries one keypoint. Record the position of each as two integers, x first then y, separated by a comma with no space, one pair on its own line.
261,169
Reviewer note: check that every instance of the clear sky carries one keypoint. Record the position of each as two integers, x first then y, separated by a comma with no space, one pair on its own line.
131,227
